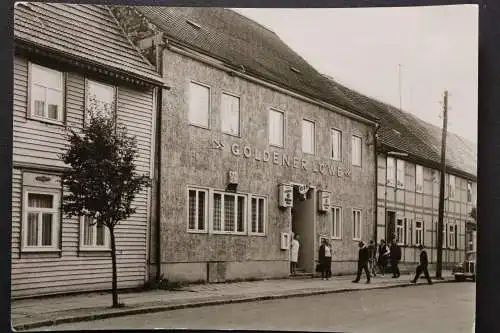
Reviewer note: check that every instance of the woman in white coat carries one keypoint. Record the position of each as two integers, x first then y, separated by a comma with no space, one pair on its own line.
294,254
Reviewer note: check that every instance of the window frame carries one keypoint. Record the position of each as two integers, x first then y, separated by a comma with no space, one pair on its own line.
409,230
469,191
400,228
264,215
30,109
354,211
94,246
206,217
313,138
391,173
451,227
245,213
339,132
334,221
56,220
88,82
419,230
222,115
354,136
419,181
209,107
451,186
283,139
400,173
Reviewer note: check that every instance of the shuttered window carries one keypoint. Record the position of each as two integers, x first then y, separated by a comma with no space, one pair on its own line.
199,105
276,128
336,144
308,136
230,114
356,150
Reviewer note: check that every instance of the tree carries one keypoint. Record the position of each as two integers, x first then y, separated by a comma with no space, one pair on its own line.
473,214
102,181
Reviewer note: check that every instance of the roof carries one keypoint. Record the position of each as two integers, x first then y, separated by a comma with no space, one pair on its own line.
239,41
86,32
407,133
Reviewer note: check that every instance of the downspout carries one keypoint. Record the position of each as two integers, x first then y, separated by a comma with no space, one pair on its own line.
375,143
158,156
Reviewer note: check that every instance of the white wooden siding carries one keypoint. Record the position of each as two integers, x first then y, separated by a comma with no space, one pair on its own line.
36,142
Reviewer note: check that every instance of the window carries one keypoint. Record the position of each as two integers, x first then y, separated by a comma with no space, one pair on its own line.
469,191
276,128
419,178
93,236
197,209
419,232
391,172
46,93
400,173
451,236
451,187
336,145
444,235
356,150
337,223
230,114
356,224
400,231
308,137
229,212
199,105
258,215
100,100
40,227
409,232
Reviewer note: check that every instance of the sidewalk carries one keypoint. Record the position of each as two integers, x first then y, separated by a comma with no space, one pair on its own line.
33,313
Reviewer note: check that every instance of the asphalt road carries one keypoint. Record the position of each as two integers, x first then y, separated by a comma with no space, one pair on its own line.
441,308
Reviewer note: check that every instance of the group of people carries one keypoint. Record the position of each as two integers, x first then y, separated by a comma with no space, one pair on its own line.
371,258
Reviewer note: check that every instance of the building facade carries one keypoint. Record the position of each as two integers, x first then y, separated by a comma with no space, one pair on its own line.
245,162
408,181
66,56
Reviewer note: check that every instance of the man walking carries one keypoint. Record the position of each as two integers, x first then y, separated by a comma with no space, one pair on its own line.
395,258
363,257
325,259
424,262
383,256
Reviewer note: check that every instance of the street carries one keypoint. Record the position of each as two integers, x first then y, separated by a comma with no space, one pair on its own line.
447,307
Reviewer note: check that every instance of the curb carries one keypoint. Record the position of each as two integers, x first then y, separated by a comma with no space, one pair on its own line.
161,308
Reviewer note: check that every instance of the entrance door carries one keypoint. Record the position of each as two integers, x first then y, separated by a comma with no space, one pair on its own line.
303,223
390,226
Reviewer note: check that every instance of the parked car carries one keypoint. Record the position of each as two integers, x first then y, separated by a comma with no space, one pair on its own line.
466,269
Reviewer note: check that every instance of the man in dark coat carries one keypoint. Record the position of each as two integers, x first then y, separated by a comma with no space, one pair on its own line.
424,262
363,257
325,259
395,258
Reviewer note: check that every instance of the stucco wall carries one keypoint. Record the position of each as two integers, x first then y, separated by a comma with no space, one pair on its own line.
190,157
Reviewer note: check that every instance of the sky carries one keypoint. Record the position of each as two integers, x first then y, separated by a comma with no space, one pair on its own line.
423,50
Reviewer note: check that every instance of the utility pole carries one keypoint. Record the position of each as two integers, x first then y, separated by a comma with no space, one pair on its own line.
440,239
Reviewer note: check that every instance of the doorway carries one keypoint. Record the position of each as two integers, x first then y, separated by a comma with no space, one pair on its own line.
390,226
303,223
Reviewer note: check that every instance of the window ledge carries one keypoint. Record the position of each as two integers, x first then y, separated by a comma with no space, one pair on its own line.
94,249
200,126
197,231
337,238
229,233
46,121
276,146
255,234
231,134
356,239
40,250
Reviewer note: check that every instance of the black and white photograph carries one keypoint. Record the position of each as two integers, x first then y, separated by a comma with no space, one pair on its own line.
294,169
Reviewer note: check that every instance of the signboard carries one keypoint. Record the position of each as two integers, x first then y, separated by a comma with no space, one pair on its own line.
285,195
324,201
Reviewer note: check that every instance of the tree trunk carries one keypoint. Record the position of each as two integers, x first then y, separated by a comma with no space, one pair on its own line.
114,284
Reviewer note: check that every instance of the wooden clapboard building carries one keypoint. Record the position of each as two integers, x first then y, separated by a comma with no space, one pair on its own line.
64,56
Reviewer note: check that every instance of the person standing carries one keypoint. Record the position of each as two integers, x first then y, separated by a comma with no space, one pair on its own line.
363,257
294,254
422,267
325,259
395,258
383,256
372,248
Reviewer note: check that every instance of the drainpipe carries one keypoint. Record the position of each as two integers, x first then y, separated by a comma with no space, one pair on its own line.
375,143
158,155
